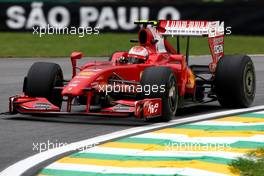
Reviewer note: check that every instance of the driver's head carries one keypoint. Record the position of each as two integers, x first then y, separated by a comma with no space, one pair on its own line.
137,54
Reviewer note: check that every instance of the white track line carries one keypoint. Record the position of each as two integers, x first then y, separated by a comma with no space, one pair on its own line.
227,123
171,153
122,170
22,166
213,140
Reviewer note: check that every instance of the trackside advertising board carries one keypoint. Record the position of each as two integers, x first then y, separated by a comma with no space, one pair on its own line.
243,18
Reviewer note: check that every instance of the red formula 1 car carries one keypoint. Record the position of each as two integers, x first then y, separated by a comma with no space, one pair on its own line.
149,81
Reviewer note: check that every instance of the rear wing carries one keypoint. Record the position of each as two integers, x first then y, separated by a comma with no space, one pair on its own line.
191,28
213,30
186,27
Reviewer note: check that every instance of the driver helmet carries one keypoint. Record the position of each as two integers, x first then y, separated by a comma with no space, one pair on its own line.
138,54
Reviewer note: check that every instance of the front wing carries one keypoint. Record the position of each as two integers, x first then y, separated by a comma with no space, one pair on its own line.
146,108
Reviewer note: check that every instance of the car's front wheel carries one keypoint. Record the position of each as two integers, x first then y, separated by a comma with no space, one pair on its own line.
162,77
41,79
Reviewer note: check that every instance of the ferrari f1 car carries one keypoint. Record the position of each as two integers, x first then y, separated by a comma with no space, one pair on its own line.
150,81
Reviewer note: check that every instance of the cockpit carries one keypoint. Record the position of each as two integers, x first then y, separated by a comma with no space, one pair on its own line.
136,55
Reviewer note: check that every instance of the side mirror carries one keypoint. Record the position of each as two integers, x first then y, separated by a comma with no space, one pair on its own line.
74,57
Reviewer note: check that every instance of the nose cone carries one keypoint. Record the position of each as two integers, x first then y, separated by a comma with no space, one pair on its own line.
75,87
83,80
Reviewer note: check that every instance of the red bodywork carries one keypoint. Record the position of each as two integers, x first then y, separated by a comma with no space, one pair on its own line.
94,75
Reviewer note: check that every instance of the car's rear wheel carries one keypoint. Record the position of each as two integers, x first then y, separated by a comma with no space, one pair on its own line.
235,81
41,79
162,77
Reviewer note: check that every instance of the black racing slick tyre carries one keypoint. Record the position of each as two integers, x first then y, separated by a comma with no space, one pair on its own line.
162,76
41,79
235,81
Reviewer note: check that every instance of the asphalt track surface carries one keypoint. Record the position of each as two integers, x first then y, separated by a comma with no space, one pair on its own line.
19,134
